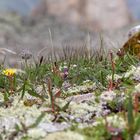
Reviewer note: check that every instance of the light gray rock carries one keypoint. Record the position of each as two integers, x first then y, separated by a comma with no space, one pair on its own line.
94,14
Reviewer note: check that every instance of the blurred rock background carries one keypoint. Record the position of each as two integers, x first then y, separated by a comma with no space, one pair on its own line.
35,24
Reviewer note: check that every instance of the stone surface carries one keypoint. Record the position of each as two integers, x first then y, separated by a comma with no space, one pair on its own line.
94,14
16,36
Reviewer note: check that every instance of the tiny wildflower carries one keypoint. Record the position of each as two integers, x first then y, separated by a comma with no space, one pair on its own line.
9,72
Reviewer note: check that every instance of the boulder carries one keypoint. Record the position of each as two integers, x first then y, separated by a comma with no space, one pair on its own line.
94,14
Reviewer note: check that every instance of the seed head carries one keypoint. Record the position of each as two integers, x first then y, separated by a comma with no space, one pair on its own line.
26,54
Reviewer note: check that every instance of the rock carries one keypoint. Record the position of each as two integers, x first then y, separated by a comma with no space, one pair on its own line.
94,14
133,31
133,45
16,36
80,98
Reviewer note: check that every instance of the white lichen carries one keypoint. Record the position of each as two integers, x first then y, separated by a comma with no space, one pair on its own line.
64,136
130,72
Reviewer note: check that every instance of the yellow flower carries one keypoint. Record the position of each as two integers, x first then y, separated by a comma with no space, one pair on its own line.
9,72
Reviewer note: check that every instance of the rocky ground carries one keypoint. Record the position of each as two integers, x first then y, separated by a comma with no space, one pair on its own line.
25,111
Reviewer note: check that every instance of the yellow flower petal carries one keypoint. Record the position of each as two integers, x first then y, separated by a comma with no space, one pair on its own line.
9,72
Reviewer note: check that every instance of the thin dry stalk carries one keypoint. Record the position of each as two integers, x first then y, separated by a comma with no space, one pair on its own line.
136,102
5,51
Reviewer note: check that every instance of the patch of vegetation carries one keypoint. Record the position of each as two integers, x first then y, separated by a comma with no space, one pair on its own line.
76,89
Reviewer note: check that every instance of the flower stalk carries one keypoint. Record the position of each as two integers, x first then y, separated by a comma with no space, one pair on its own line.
10,73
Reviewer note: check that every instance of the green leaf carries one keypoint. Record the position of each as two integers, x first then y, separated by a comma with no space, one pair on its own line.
23,89
6,96
102,78
17,127
130,116
137,125
33,93
38,120
66,106
57,81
